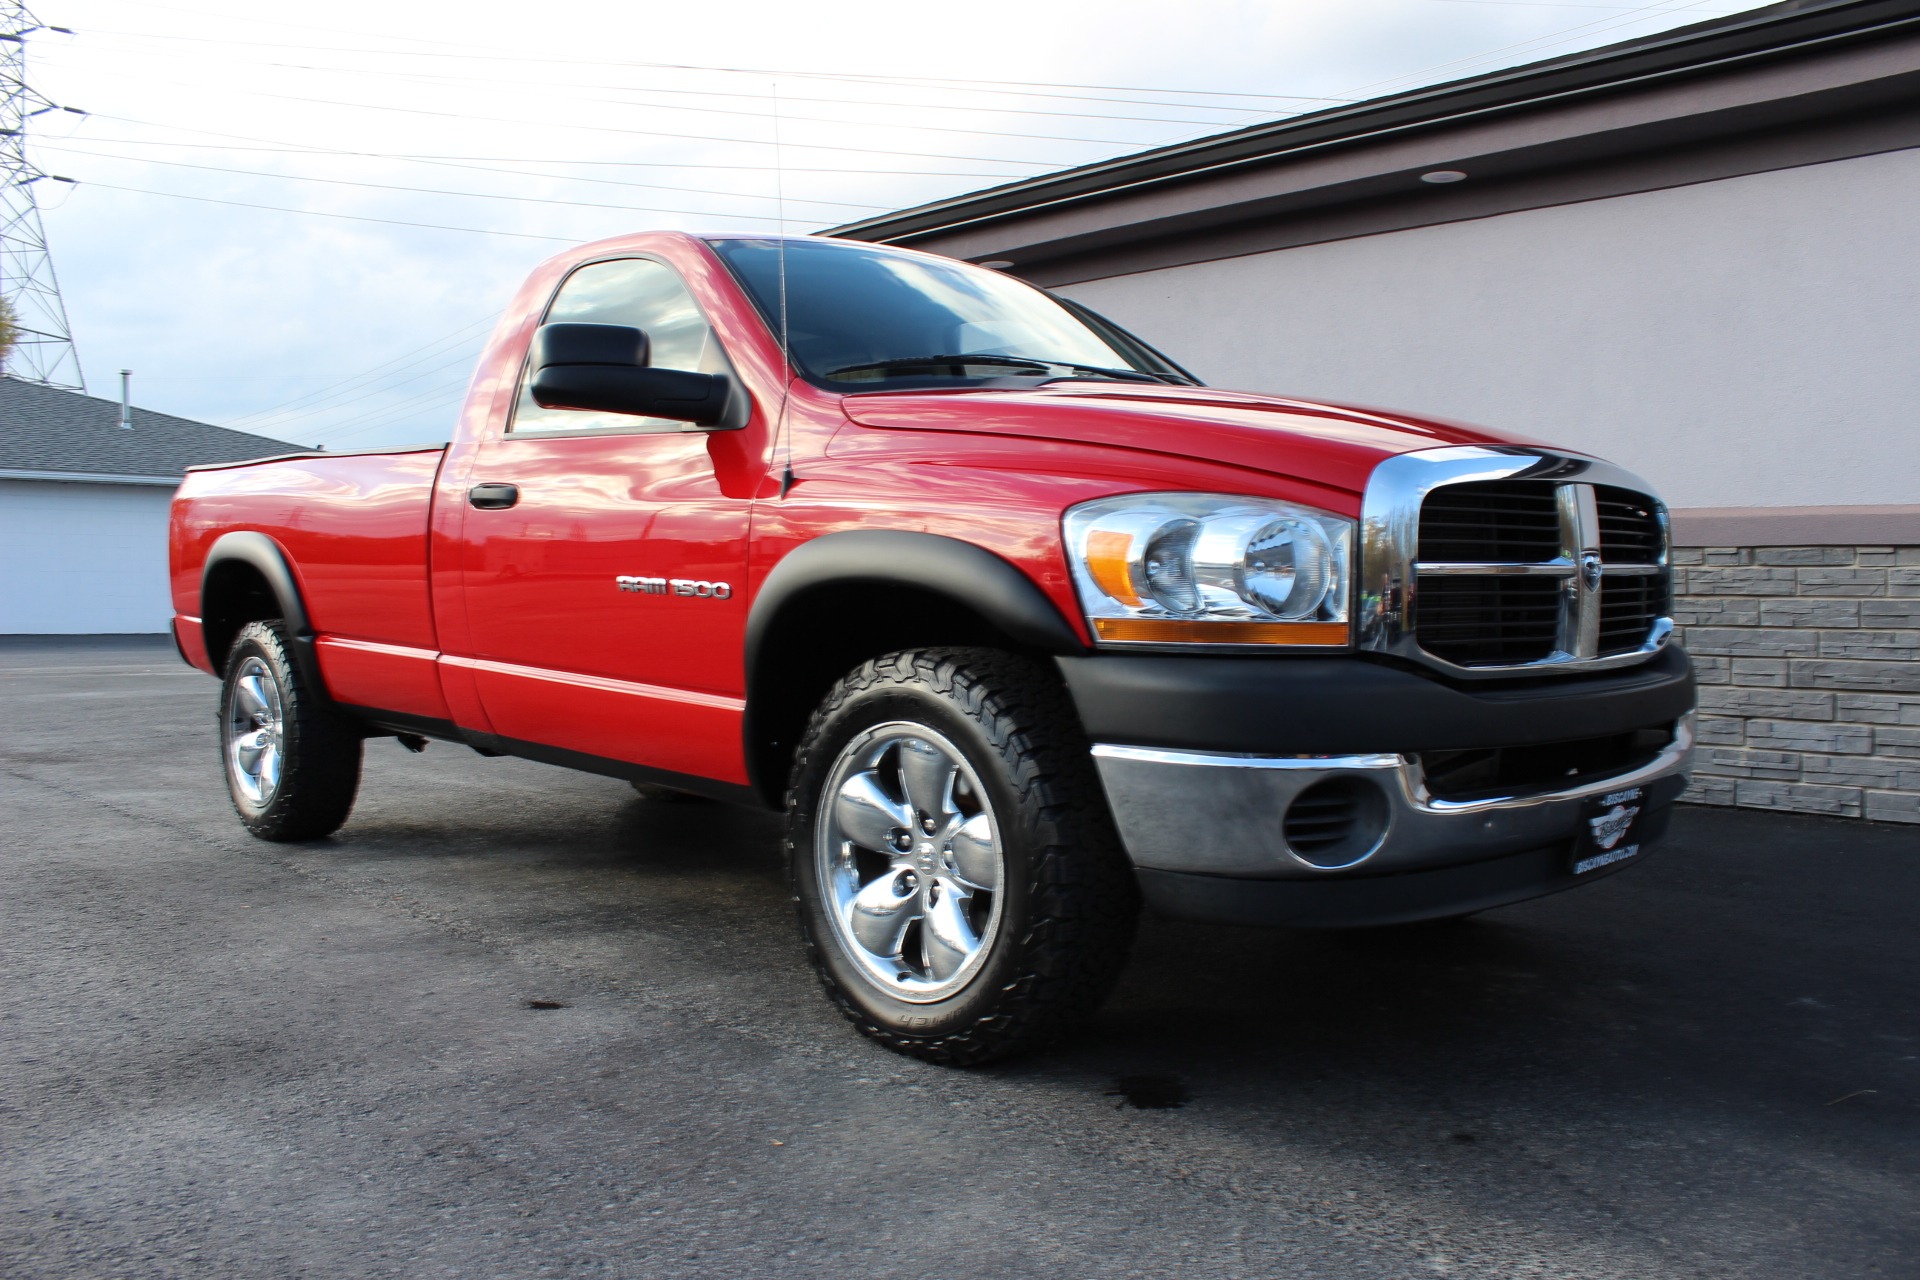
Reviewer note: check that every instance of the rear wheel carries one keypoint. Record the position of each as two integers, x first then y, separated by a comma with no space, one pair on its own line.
292,763
958,880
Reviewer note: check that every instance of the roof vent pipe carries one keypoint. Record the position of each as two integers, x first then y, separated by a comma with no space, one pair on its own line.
126,403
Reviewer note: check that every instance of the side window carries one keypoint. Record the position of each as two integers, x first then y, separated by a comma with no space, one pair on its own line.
633,291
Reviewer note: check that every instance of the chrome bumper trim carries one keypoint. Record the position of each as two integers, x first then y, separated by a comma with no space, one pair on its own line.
1220,814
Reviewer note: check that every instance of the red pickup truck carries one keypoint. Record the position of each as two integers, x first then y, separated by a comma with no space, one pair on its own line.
1018,621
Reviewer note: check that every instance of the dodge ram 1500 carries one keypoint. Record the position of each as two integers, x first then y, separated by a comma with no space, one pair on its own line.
1016,620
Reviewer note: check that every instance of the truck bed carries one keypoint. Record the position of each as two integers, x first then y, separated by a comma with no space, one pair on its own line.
353,528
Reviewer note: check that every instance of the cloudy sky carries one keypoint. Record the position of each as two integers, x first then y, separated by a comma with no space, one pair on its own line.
301,220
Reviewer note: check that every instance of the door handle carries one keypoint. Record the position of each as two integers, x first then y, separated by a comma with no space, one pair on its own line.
493,497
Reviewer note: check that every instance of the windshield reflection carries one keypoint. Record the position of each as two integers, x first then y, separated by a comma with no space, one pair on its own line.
858,316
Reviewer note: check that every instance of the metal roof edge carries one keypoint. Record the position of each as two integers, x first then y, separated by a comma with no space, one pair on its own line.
1699,48
89,477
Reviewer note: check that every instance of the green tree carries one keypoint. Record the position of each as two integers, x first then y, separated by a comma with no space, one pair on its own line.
9,331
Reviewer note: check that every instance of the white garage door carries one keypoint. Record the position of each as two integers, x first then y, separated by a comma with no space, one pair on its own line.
83,559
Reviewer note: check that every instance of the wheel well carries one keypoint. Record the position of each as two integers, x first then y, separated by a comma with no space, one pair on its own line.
235,594
826,632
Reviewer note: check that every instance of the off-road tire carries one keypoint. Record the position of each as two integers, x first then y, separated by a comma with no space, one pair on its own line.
320,749
1071,903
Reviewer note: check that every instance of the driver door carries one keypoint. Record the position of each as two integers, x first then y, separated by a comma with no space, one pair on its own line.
604,566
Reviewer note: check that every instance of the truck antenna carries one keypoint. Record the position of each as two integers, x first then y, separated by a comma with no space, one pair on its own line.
784,444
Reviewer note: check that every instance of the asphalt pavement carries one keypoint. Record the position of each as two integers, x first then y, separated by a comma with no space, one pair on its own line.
514,1021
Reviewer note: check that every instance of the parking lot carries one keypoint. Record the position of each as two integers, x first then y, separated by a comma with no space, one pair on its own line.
222,1057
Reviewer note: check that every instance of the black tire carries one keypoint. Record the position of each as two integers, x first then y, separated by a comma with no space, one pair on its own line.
317,771
1068,901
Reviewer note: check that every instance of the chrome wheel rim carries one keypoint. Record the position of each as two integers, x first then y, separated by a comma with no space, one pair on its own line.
254,732
909,862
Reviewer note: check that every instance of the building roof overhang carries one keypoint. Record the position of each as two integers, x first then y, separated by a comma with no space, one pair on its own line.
1750,80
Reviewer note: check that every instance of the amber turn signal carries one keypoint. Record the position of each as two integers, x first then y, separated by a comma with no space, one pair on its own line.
1200,631
1109,561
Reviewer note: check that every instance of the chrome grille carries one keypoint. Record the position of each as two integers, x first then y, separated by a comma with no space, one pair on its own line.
1471,621
1492,520
1486,561
1628,607
1629,526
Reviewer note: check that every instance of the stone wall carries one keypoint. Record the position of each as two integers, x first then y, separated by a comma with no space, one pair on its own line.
1809,668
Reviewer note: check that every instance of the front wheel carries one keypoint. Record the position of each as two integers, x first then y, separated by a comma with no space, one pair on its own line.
959,882
292,762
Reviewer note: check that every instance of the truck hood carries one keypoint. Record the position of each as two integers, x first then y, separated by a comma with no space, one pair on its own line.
1334,445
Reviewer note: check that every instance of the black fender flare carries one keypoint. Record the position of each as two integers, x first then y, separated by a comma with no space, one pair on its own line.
969,575
263,555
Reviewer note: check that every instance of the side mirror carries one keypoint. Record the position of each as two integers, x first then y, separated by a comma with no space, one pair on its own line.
602,368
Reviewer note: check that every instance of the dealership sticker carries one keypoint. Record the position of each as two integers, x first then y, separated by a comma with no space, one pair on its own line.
1611,825
1606,859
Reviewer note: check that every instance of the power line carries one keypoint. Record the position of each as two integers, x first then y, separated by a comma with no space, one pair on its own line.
403,361
996,109
1023,88
604,101
1661,5
1664,5
275,420
382,155
373,418
427,191
449,391
358,390
348,217
603,128
756,115
327,152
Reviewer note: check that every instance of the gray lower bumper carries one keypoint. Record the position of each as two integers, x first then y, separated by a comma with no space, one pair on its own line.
1203,813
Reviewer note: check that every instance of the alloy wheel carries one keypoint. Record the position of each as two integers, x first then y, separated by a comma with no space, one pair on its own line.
255,732
910,862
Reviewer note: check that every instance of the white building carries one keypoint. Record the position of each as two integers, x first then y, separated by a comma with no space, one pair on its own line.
1696,254
83,508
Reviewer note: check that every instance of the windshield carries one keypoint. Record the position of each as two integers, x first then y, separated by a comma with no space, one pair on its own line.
860,318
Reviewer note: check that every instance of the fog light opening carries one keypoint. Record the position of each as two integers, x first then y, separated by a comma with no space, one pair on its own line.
1336,823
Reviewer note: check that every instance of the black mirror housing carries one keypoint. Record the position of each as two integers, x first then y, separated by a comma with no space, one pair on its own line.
699,398
590,344
602,368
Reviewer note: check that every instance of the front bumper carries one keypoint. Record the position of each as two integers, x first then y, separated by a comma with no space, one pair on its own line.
1218,834
1224,815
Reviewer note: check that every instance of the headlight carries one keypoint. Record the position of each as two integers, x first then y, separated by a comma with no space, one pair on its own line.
1204,568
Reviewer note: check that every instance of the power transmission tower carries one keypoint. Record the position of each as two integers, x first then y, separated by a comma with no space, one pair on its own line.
43,342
